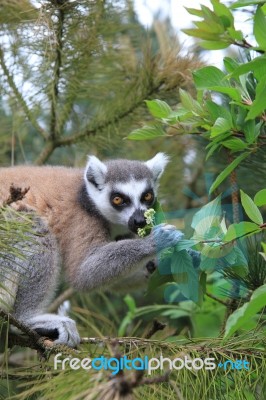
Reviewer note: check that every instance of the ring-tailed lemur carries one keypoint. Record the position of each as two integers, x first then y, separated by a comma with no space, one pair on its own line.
76,215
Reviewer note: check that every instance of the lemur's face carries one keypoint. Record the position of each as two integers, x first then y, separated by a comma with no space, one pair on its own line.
123,190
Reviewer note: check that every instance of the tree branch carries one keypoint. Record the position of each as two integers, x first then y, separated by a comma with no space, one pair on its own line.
154,76
72,139
245,45
46,152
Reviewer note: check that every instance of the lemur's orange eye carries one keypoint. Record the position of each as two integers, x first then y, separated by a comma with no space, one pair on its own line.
148,196
117,201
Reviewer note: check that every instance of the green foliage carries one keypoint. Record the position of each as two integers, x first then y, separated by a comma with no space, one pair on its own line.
79,62
229,111
260,198
243,314
251,209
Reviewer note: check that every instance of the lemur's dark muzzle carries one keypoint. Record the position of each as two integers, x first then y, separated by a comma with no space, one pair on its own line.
137,220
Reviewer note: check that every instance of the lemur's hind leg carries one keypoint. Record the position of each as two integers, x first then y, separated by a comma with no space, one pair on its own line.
38,278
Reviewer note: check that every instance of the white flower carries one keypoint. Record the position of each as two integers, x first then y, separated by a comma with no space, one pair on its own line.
149,216
141,232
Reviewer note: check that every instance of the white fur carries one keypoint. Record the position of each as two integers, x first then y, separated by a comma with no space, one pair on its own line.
157,165
96,168
134,189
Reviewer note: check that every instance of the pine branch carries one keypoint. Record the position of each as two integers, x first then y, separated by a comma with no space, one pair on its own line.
119,115
70,95
19,97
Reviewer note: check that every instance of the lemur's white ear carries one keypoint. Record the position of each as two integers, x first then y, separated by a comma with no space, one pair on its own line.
157,164
95,171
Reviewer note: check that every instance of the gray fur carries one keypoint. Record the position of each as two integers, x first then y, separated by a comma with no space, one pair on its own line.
106,264
123,170
33,280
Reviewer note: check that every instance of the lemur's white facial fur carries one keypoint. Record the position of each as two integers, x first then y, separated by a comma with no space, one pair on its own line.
123,190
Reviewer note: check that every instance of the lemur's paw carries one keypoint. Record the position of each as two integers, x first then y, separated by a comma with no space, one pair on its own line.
62,330
195,257
165,236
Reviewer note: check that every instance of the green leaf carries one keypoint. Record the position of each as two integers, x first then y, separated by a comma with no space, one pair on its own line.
221,125
221,177
207,264
213,148
250,208
184,244
175,313
234,144
213,27
159,214
259,29
210,210
185,275
215,111
244,3
235,34
223,11
214,45
259,104
209,15
200,34
206,218
208,77
216,252
230,64
239,230
212,78
148,132
243,314
124,324
158,108
249,130
258,66
130,302
260,198
178,115
234,93
189,103
194,11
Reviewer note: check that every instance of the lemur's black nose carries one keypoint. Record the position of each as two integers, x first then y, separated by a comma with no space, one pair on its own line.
137,220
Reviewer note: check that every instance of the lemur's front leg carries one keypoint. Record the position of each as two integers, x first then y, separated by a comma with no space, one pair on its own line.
115,260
